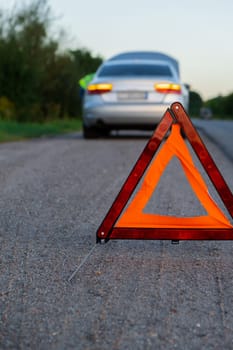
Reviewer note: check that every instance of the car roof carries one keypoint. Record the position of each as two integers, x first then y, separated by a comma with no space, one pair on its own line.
146,56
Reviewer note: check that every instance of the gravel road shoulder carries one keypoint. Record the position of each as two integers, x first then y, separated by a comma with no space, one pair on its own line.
128,294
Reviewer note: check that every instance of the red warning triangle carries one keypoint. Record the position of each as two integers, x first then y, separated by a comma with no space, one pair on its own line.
135,224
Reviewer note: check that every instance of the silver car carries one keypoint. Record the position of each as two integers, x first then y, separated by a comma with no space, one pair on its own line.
132,91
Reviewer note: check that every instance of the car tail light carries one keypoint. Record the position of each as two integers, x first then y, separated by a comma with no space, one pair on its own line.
167,88
94,89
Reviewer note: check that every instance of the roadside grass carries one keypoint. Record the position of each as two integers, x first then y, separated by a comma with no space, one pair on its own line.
223,117
15,131
214,117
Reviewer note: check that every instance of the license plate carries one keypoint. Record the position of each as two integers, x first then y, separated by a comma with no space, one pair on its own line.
131,95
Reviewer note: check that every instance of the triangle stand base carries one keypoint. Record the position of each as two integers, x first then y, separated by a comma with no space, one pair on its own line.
173,234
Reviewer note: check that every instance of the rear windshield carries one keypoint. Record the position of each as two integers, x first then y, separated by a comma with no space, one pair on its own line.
138,70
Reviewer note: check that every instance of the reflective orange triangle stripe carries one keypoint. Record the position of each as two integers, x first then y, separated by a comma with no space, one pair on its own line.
134,216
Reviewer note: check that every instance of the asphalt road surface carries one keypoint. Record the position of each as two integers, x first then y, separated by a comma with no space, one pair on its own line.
54,193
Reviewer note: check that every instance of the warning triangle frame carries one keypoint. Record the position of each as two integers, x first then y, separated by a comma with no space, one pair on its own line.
175,114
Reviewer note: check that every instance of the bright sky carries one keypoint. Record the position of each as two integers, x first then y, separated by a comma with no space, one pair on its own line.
198,33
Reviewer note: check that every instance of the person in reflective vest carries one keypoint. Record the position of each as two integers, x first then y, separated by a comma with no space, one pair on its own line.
83,83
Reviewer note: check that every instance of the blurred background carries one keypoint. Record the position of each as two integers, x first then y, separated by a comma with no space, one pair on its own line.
47,46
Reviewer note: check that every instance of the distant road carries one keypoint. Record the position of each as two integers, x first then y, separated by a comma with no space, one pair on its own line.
221,132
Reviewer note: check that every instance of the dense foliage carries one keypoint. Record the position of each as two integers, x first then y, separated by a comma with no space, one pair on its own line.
221,106
195,103
37,80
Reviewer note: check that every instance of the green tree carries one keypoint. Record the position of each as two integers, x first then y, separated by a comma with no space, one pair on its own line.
195,103
38,80
23,51
85,62
222,106
228,105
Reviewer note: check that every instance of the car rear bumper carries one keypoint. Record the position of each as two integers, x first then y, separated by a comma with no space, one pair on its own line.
124,116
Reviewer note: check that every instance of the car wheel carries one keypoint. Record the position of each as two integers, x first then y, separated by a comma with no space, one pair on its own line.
90,132
104,132
93,132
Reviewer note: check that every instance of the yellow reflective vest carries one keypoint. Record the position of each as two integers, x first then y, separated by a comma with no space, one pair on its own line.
83,82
